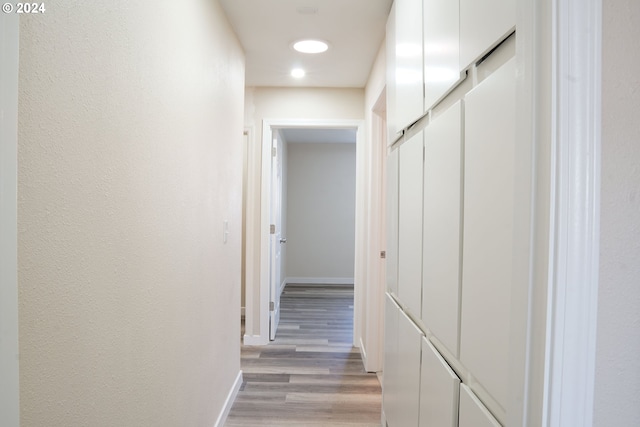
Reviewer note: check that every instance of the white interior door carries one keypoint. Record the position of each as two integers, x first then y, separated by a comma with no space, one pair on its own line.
277,240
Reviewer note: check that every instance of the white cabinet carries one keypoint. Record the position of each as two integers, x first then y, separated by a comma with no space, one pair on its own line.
391,385
472,411
409,347
439,390
483,24
410,224
408,62
488,230
441,48
392,222
401,389
393,128
441,233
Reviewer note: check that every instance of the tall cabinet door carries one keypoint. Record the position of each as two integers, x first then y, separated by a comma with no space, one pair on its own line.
441,49
410,225
408,62
441,234
488,230
392,222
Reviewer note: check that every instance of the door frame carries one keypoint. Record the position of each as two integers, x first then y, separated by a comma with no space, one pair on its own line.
9,365
261,311
556,235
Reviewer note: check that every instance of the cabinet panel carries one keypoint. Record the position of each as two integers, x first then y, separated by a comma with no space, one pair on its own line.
409,63
393,130
401,381
410,225
409,348
472,411
483,23
488,230
441,48
439,390
392,222
441,234
391,383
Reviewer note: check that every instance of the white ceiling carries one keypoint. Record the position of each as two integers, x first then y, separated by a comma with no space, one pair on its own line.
304,135
354,30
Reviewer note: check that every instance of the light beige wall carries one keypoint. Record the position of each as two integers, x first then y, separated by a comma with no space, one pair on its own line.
321,211
617,382
303,103
130,159
285,103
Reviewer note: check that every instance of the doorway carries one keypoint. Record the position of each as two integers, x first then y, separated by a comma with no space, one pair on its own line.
262,295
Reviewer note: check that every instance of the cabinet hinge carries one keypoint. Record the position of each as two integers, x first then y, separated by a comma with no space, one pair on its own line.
272,229
272,306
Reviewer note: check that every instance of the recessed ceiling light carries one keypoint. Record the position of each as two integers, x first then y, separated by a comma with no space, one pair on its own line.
298,73
311,46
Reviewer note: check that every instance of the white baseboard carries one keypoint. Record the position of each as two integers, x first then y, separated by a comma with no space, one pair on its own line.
231,397
320,280
255,340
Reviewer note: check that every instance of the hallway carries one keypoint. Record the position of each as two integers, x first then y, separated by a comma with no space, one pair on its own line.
310,375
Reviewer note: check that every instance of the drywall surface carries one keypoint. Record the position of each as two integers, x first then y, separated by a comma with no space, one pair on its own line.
617,382
130,159
321,202
303,103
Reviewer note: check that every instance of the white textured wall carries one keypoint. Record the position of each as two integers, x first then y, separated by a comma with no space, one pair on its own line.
321,189
130,158
617,385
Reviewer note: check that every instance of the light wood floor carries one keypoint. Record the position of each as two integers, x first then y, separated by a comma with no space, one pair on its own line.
310,375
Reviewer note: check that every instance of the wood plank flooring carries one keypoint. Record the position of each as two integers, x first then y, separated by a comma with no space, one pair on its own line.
311,375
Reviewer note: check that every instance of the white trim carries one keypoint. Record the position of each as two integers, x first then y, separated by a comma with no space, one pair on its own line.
573,292
556,237
251,235
363,352
9,366
228,403
320,280
267,126
255,340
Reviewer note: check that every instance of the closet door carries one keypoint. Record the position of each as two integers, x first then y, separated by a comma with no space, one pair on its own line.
441,234
488,231
410,225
